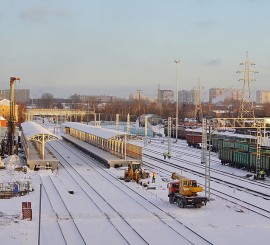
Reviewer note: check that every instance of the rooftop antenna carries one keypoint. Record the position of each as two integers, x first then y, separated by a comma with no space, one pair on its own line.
246,107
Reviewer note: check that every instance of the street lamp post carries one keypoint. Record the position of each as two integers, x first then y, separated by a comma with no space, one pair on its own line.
176,120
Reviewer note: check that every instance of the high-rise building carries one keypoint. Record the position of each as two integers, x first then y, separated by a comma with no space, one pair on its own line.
20,95
262,97
166,96
220,94
187,97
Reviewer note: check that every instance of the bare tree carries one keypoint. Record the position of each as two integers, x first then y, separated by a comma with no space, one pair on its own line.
47,100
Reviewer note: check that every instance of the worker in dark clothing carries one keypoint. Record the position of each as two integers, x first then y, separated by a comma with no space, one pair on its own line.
154,177
169,155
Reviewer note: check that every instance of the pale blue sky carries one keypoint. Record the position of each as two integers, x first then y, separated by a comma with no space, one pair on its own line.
118,46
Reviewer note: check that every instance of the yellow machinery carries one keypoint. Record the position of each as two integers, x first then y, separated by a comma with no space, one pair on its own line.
135,172
184,192
187,187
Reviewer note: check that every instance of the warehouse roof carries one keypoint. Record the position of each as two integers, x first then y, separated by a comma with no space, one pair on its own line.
97,131
34,131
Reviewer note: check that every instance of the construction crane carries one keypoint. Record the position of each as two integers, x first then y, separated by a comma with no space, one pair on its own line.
184,191
11,122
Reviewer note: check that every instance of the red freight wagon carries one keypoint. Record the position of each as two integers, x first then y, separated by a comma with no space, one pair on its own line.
194,140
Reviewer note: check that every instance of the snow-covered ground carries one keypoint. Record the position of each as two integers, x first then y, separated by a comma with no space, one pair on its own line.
220,221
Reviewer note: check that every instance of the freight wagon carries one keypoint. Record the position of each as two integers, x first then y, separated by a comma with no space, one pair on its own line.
194,140
245,157
264,162
225,154
181,132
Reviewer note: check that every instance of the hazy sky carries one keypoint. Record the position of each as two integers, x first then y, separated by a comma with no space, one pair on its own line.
118,46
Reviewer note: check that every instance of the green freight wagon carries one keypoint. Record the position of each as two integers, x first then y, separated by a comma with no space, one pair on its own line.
264,162
225,154
246,146
265,150
216,143
241,158
229,143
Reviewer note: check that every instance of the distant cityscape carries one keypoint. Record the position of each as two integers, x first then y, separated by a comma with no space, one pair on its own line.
215,96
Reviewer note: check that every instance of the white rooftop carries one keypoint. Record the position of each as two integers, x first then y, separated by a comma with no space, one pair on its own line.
32,129
4,102
100,132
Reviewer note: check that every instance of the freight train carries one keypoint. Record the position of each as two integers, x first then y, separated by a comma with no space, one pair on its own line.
241,154
236,150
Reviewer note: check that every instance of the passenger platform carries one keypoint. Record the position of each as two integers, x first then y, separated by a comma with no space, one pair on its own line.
107,159
35,160
33,140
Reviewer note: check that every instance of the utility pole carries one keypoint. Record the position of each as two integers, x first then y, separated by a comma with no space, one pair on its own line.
198,103
176,120
246,107
205,156
145,130
128,123
39,215
139,91
169,133
117,122
11,122
159,100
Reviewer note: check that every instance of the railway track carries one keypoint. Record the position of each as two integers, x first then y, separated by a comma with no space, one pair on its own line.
196,162
107,211
242,192
170,224
64,218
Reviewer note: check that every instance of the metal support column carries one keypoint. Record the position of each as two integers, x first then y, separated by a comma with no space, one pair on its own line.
125,150
169,133
145,130
117,122
206,158
39,215
128,123
258,155
95,120
43,146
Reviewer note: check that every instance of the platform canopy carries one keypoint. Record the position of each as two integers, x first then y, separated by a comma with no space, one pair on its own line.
103,133
34,131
